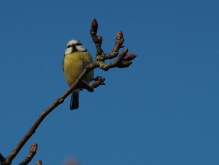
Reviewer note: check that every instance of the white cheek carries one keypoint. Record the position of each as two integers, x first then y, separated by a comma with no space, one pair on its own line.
80,48
68,50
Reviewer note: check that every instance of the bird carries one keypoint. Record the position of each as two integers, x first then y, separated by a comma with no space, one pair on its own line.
75,59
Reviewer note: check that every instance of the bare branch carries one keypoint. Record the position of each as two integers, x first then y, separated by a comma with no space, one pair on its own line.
96,39
118,45
98,81
122,61
60,100
33,149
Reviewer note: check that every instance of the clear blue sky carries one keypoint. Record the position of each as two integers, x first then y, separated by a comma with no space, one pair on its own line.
163,110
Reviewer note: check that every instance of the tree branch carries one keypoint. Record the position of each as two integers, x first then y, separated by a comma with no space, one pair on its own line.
98,81
90,87
60,100
33,149
122,61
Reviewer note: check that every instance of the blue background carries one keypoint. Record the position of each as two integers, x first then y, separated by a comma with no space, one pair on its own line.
162,110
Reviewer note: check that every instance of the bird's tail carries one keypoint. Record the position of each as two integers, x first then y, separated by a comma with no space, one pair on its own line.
74,101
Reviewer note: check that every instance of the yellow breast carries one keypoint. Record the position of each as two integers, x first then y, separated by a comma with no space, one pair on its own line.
73,65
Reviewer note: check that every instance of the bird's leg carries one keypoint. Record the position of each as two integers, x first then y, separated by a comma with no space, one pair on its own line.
84,85
90,87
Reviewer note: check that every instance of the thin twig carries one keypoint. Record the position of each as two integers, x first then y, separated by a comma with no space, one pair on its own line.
33,149
98,81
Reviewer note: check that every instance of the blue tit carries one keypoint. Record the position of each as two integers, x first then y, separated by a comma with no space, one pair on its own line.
75,59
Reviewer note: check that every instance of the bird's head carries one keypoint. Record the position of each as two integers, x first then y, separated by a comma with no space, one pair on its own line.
74,46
